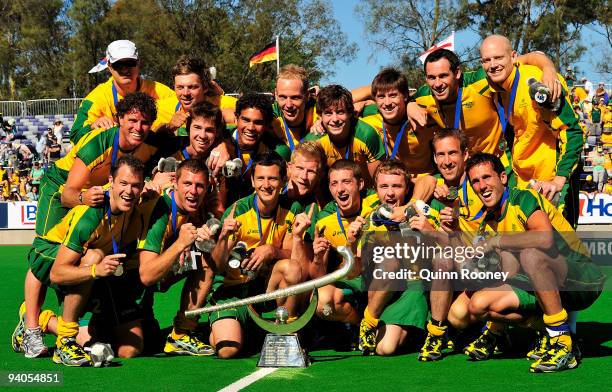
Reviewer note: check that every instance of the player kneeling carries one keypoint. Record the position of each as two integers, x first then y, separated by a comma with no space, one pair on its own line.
254,250
556,273
176,221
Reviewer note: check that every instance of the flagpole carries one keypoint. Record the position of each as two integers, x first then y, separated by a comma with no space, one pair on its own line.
277,56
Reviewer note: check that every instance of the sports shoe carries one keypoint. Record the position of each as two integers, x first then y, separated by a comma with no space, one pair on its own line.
556,359
17,337
187,345
367,338
33,345
483,347
434,347
540,348
70,353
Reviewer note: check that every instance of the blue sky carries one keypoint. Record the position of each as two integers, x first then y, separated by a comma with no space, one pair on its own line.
361,70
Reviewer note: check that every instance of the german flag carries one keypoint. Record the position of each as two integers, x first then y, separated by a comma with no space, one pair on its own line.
269,53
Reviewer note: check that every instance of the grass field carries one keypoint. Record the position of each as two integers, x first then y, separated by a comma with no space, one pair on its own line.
331,370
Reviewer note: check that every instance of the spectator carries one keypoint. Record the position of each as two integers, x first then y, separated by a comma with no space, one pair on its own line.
606,138
595,117
589,186
608,187
608,162
41,145
14,195
58,130
570,77
33,193
601,93
53,149
5,186
607,118
588,87
597,160
36,173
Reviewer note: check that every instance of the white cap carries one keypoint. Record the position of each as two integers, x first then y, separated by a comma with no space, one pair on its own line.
121,49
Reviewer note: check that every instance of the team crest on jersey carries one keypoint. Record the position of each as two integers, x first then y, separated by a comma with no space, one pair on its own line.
468,104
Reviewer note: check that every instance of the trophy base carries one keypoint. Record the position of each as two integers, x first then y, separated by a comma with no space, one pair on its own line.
283,350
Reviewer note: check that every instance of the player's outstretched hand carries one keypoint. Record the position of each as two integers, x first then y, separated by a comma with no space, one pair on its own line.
230,225
302,222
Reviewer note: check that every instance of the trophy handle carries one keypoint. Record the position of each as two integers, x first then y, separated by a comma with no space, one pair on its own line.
290,327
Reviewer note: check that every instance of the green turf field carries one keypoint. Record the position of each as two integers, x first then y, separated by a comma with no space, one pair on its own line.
331,370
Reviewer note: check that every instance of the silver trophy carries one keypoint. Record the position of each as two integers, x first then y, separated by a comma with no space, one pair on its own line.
281,346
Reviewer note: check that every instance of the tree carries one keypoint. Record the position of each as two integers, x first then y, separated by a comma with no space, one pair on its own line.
551,26
409,27
87,43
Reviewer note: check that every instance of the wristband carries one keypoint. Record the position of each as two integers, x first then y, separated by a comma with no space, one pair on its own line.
81,197
93,271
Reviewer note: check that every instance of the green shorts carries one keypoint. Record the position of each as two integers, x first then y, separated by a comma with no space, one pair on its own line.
220,294
49,210
583,285
40,258
114,299
353,289
408,308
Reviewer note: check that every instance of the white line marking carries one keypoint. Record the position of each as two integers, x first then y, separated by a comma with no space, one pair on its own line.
248,380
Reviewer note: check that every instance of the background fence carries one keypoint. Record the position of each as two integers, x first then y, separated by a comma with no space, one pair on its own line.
40,107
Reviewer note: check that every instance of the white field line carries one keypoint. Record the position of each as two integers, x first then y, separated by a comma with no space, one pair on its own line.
248,380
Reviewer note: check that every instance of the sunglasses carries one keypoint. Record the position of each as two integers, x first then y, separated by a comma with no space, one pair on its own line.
125,64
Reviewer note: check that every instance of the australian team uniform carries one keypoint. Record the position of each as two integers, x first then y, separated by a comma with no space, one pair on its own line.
584,280
102,102
546,144
241,186
113,300
331,225
98,150
402,142
407,307
167,107
364,146
255,230
469,206
293,136
474,113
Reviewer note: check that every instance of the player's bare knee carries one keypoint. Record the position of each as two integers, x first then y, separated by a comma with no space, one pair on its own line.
227,351
386,348
292,272
479,305
126,351
457,319
532,261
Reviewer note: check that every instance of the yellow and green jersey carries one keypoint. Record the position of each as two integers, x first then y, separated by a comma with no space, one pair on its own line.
96,151
292,136
364,146
519,206
546,144
168,106
414,147
256,230
163,220
86,227
102,102
333,226
470,206
478,116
